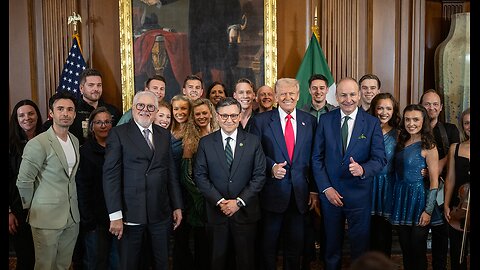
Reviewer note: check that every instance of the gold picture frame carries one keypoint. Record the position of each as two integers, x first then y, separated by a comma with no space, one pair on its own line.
127,53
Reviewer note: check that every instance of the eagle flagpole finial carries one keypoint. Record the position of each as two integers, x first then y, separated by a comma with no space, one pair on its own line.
75,18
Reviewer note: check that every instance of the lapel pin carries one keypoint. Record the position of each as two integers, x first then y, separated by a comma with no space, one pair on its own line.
241,144
303,123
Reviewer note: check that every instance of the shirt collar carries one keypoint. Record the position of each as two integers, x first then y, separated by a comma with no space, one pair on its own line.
283,114
352,116
225,135
142,128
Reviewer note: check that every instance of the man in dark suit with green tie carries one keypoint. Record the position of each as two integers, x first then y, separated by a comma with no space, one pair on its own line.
230,172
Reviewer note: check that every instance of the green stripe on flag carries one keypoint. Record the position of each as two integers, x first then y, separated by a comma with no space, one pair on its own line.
314,62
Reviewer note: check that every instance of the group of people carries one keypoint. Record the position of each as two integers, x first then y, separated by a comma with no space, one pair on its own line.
236,176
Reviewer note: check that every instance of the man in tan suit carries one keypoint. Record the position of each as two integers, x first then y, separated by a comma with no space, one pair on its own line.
46,183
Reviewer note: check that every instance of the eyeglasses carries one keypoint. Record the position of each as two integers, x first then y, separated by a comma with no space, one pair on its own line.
233,116
102,123
141,106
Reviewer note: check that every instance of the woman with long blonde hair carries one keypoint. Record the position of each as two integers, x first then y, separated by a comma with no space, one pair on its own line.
202,121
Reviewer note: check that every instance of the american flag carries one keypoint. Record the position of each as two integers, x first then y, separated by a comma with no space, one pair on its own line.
75,64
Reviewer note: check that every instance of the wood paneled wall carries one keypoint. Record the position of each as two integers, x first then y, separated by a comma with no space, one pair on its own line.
394,39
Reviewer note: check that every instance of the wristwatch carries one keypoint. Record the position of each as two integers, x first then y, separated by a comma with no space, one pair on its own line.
239,203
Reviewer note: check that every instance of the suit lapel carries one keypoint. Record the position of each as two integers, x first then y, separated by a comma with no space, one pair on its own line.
356,133
239,149
337,130
277,131
57,148
218,145
300,138
138,139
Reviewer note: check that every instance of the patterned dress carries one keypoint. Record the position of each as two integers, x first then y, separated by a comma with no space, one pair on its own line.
410,191
382,196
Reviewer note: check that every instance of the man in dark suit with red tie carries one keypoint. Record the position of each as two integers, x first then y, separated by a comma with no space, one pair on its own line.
230,172
141,185
287,138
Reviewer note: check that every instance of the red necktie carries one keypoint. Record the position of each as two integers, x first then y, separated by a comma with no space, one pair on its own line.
289,137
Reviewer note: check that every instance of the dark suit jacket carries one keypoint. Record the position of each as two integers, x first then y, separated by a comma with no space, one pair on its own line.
330,166
91,201
244,180
275,195
143,184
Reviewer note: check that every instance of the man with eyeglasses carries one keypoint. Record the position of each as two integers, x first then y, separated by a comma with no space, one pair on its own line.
155,84
287,138
141,185
445,134
230,172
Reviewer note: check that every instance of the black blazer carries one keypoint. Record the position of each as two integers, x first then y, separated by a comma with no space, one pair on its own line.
142,183
91,201
244,180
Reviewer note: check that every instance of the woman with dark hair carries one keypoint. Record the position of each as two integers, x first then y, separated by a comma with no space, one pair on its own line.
458,175
215,92
25,123
385,107
414,201
101,247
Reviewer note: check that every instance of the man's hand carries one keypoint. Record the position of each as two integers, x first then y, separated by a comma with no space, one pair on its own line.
334,197
229,207
12,223
177,218
278,171
355,168
116,228
314,202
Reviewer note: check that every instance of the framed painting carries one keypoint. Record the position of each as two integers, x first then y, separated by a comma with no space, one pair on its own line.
219,40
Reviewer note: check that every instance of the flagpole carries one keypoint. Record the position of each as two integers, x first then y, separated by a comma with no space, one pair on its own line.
74,19
74,65
315,27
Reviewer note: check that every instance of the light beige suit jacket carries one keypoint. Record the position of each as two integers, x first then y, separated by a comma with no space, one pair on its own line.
44,184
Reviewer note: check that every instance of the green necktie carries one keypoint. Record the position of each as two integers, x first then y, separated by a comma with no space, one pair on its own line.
228,152
345,132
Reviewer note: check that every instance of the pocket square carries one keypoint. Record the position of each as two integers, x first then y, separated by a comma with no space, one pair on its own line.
362,137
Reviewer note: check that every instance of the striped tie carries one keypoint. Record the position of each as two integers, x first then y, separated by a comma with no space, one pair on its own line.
146,132
229,153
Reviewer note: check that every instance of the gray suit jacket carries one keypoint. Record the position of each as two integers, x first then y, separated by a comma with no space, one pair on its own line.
44,184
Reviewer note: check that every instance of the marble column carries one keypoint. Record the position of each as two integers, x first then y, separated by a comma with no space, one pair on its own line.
452,67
